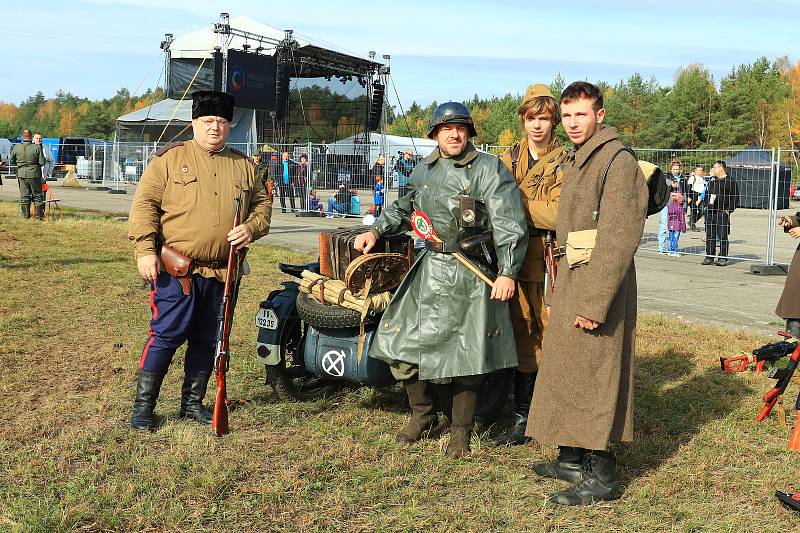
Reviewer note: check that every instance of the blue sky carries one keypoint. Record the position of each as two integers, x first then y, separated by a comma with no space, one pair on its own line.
440,50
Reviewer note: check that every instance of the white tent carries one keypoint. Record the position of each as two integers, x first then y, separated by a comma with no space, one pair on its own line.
201,43
381,144
150,122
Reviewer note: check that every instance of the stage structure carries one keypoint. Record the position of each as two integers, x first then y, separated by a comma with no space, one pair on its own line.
299,91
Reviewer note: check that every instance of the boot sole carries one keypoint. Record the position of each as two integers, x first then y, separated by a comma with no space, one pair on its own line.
404,438
190,417
570,503
563,475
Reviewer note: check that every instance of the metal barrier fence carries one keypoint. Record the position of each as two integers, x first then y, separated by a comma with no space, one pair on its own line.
763,177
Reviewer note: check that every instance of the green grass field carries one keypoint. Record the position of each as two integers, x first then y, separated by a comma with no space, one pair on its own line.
73,318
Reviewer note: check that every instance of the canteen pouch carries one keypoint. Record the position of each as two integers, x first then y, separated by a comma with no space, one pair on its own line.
177,265
579,247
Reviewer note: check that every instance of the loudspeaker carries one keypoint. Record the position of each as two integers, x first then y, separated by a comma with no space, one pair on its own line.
281,90
376,106
217,67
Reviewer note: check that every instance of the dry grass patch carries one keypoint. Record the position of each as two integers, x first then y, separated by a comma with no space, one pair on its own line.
73,318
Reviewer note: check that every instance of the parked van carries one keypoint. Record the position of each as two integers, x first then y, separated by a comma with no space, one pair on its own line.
70,149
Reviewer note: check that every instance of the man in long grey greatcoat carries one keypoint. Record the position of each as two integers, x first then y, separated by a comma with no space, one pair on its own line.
584,391
788,306
444,323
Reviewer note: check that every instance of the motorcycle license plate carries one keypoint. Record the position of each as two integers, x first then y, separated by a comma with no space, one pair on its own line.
267,319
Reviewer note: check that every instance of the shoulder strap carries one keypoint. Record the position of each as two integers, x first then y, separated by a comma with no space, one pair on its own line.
596,214
514,159
238,152
167,148
547,159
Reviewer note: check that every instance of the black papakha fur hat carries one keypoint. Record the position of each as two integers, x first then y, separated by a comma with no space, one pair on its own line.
212,103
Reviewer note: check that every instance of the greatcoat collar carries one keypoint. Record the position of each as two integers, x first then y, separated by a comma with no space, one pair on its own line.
601,137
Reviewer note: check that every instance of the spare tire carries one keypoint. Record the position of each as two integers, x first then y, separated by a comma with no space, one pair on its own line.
330,316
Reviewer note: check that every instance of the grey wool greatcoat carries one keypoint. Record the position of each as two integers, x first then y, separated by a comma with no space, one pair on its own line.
441,318
789,304
584,389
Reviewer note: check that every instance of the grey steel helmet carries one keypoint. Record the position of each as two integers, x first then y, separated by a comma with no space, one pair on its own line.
449,113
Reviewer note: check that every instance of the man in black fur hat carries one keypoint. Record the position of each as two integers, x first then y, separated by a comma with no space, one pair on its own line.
186,200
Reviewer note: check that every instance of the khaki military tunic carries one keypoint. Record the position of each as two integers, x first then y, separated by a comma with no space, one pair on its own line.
186,199
29,159
540,188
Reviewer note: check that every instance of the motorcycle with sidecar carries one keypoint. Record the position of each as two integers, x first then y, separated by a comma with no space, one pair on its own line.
311,350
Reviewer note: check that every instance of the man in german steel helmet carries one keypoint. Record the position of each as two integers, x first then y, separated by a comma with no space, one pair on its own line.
536,163
444,324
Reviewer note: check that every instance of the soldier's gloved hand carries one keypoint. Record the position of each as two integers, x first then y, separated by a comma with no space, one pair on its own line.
148,266
365,242
240,236
503,288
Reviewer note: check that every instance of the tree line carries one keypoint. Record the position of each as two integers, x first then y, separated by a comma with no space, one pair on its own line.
755,104
67,115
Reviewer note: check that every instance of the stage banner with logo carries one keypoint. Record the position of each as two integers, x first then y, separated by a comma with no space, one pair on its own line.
251,80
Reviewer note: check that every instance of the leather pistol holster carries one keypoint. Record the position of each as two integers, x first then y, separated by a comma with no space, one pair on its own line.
178,265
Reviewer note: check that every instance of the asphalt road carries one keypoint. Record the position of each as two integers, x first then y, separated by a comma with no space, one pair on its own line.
678,287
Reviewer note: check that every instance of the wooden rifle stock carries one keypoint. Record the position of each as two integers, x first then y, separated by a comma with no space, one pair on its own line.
219,420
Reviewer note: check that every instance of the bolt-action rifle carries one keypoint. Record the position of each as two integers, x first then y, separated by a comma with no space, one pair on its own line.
769,353
219,420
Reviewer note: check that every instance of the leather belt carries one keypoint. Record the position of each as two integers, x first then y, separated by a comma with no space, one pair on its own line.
442,247
210,264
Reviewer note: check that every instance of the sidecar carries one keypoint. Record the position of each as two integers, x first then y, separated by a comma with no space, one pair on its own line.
310,350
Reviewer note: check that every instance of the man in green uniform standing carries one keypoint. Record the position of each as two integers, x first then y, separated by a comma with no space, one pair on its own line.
29,159
186,199
443,322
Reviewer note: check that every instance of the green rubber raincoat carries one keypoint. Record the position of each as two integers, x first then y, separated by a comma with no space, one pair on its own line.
441,318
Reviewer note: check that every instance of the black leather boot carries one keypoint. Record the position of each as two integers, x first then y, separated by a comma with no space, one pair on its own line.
568,466
793,327
523,394
144,404
598,483
465,398
192,394
423,418
25,210
39,211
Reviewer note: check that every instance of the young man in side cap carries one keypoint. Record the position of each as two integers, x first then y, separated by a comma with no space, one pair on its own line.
535,162
186,199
